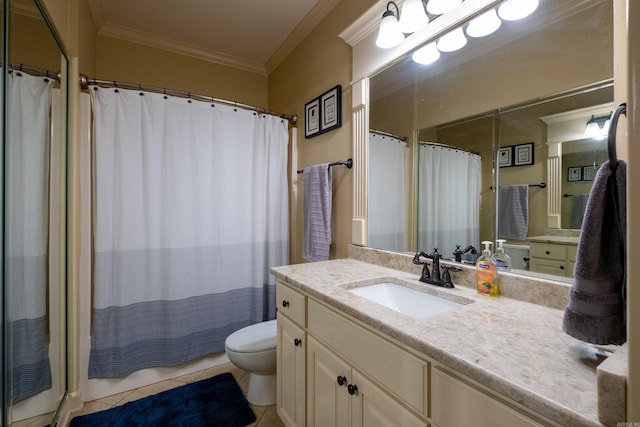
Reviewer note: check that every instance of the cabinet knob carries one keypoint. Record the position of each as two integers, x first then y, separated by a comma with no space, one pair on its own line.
562,267
352,389
547,252
297,342
285,303
341,380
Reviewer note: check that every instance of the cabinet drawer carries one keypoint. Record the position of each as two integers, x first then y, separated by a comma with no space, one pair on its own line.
549,251
394,368
291,303
549,266
571,253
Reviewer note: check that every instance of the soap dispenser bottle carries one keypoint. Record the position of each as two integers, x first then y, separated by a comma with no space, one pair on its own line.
486,272
503,261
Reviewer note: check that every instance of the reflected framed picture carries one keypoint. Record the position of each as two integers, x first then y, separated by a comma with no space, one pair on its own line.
574,174
505,157
523,154
589,173
331,109
312,118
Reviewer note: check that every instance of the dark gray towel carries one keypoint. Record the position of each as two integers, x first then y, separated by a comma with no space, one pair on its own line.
578,207
596,310
316,212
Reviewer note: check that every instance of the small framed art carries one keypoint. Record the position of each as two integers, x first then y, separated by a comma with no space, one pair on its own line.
574,174
505,157
331,109
589,173
523,154
312,118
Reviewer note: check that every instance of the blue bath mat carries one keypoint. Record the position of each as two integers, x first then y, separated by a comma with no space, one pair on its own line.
214,402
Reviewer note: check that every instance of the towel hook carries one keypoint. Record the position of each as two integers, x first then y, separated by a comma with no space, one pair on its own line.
611,141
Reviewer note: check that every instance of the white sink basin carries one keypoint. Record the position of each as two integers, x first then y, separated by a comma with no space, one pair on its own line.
405,300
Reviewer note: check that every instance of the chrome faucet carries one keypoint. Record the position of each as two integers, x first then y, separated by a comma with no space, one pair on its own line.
434,278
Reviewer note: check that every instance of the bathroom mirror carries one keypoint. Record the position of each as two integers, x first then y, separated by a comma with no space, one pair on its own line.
34,194
490,97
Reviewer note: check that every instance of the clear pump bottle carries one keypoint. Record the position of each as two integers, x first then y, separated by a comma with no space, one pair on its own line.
503,261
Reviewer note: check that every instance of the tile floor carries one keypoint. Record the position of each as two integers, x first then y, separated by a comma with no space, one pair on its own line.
266,416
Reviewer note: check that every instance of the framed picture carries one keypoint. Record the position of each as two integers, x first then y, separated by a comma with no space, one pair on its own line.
574,174
505,157
523,154
312,118
331,109
589,173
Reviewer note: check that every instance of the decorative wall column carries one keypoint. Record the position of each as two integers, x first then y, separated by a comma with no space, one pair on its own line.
360,104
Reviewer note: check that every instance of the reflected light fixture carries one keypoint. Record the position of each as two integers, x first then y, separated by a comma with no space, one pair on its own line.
389,34
439,7
597,127
512,10
452,41
427,54
413,17
483,25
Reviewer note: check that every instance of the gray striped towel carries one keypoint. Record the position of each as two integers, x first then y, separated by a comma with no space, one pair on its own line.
316,211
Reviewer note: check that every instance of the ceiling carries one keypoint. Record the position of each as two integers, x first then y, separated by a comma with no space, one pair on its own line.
253,35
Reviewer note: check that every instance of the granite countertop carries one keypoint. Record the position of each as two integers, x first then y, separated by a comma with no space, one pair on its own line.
515,348
548,238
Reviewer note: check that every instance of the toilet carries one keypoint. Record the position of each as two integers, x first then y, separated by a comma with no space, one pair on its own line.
253,349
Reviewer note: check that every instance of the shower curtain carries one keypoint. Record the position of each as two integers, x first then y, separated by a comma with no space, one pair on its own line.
448,198
190,210
27,233
387,209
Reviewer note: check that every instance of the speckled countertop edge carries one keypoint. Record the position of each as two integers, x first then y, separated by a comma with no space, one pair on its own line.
514,347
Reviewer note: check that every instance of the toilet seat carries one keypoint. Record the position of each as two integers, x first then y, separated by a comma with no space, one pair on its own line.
254,338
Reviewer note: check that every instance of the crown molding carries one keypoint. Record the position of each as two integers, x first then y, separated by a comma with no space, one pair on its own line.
302,30
158,42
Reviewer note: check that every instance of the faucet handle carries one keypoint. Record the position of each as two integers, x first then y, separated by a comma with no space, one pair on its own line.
457,253
446,277
435,254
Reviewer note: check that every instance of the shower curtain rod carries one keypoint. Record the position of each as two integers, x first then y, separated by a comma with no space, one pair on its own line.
35,71
451,147
85,82
381,133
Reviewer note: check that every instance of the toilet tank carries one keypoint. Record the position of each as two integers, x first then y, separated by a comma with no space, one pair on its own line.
519,255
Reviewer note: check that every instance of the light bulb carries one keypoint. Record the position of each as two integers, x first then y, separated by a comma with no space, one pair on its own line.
452,41
484,24
439,7
427,54
413,17
389,34
512,10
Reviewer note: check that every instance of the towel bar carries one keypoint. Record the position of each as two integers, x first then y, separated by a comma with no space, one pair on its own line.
348,163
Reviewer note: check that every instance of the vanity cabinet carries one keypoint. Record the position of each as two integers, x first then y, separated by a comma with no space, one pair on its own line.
291,356
552,258
456,402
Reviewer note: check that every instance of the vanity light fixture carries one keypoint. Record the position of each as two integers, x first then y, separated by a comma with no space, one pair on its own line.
440,7
597,127
452,41
427,54
484,24
413,17
512,10
389,34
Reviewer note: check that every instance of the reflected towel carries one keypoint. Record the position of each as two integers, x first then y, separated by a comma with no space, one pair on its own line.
316,211
596,310
514,211
578,206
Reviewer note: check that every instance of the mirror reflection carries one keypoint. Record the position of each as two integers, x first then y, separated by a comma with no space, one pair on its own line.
498,98
33,210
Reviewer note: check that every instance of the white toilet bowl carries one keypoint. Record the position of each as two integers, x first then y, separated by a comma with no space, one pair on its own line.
253,349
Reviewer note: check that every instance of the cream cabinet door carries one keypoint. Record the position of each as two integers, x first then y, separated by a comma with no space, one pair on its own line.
291,373
458,404
372,407
328,400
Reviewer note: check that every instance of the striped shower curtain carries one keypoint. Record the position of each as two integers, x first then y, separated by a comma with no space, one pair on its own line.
27,233
190,211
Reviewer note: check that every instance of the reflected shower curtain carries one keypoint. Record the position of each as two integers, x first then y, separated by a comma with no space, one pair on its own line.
27,233
448,198
387,209
190,212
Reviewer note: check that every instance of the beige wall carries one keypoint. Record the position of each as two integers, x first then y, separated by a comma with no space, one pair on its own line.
320,62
